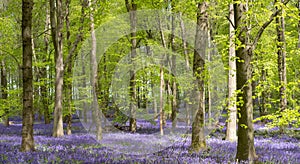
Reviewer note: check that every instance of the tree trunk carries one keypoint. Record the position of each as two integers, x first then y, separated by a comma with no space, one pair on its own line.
209,82
69,62
173,72
264,95
83,85
161,101
68,73
231,124
27,122
187,66
4,94
162,82
43,70
131,8
198,139
56,19
94,76
281,60
245,146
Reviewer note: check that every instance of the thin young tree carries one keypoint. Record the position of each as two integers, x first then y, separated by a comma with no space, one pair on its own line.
43,72
162,80
187,65
4,93
231,122
68,65
173,70
131,9
94,75
56,19
281,59
27,122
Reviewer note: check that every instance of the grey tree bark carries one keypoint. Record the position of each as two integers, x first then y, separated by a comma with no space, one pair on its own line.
187,66
94,76
131,8
173,72
198,139
4,94
232,112
245,146
43,73
56,19
162,82
281,59
27,112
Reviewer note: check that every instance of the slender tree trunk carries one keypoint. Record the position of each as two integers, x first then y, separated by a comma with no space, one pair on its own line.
94,76
232,112
83,85
187,60
69,62
264,95
27,122
149,53
68,73
173,69
162,82
56,19
36,88
43,70
161,101
209,82
4,94
281,52
131,8
198,139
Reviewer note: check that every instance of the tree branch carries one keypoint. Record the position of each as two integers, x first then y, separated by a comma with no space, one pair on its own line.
266,24
230,22
10,54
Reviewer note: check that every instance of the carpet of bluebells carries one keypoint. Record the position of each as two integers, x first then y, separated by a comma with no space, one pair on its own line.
80,147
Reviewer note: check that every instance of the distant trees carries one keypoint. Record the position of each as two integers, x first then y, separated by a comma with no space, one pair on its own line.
260,76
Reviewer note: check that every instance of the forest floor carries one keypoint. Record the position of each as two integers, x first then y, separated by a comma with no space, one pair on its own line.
81,147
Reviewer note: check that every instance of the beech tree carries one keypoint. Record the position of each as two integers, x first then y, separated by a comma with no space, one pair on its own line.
232,113
281,59
244,53
27,122
198,138
131,9
4,94
56,19
94,77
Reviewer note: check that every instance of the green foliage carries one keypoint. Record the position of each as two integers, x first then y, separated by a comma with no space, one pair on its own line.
288,117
